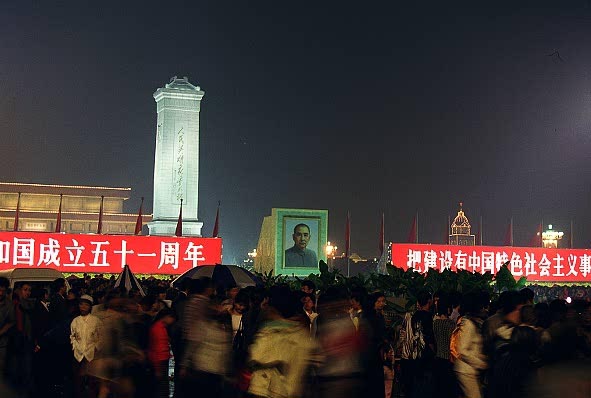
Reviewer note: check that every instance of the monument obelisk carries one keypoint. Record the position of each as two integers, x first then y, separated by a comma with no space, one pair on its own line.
176,163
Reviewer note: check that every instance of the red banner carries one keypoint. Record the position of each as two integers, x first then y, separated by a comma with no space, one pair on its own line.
107,253
535,263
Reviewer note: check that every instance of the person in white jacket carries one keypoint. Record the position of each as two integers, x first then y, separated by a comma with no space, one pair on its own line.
85,332
467,347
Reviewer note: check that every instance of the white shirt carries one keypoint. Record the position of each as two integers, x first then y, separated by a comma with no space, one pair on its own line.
85,336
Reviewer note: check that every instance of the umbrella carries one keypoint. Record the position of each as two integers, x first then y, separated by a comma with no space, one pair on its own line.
221,275
128,280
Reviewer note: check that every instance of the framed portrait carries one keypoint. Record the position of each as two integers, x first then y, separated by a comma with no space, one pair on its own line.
300,240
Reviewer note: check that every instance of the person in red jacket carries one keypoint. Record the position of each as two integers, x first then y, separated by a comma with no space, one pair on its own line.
159,349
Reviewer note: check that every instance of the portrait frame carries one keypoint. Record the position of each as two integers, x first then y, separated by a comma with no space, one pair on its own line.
286,220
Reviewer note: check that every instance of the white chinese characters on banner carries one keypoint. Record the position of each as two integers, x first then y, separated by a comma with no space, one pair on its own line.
107,253
533,263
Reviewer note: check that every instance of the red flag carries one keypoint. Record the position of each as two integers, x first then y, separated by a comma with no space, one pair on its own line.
179,223
58,221
509,234
348,235
99,228
536,240
139,223
382,237
216,226
17,213
413,236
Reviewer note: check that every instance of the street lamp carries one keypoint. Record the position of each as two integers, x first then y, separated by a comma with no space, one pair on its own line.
330,251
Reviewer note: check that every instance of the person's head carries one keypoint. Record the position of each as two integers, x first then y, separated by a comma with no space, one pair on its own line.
241,301
85,304
166,315
307,302
527,295
4,283
472,304
528,317
424,300
525,339
301,236
308,287
357,299
443,307
58,286
25,291
379,301
72,295
512,306
202,286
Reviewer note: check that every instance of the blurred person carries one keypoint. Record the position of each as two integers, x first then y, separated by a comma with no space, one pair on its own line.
513,369
308,308
159,350
85,332
356,301
7,321
376,340
455,300
418,349
511,317
116,364
238,309
205,362
230,293
443,327
467,347
58,306
22,344
340,373
282,353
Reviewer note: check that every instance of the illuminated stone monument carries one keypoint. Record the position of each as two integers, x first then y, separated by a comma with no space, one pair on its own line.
176,163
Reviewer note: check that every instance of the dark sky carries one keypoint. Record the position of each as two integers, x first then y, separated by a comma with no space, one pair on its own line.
360,106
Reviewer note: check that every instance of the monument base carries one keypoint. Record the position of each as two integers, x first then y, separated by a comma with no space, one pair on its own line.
168,228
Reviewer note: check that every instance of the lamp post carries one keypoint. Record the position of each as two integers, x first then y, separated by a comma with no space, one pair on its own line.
330,251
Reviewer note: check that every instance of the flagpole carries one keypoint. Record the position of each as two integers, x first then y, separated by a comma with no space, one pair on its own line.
571,235
17,215
481,233
417,227
99,228
58,221
511,231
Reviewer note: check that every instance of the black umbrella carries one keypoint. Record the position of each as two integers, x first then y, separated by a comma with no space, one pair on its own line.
222,275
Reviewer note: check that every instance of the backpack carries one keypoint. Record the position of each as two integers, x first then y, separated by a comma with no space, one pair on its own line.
413,340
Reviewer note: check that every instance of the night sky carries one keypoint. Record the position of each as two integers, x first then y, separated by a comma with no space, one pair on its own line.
359,106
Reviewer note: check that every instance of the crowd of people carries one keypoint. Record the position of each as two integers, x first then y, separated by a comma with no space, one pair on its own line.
203,340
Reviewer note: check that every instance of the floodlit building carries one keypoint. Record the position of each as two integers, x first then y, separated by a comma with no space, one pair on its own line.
39,204
551,237
460,230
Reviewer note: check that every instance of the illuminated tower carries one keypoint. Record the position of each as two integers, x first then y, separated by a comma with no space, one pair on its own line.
176,163
460,230
550,238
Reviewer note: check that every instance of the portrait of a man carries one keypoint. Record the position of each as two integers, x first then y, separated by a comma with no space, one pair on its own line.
299,255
